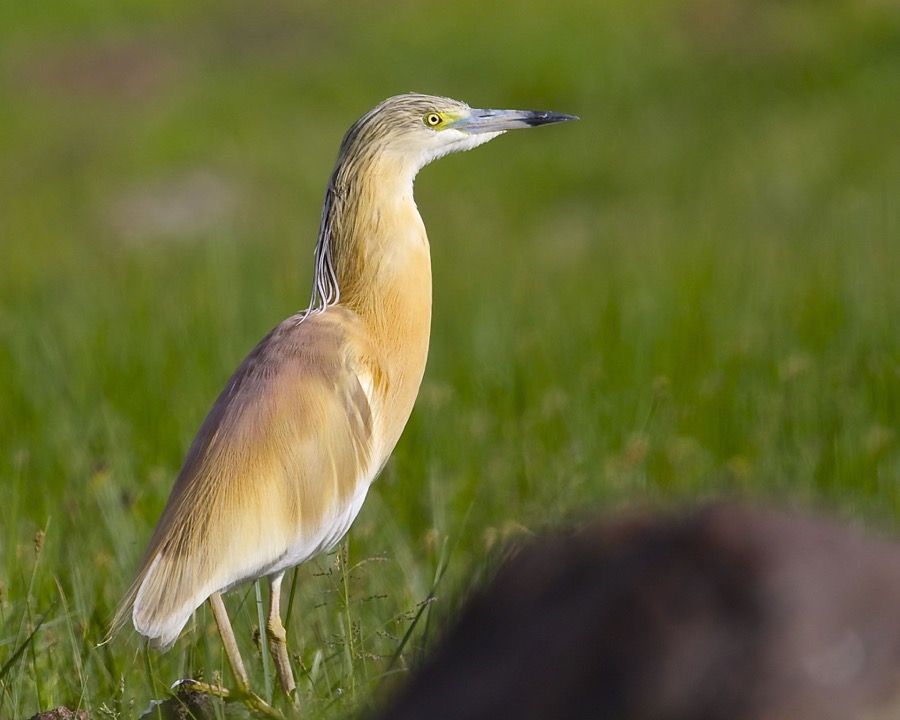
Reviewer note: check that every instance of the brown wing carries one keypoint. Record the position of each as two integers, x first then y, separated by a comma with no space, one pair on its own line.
283,450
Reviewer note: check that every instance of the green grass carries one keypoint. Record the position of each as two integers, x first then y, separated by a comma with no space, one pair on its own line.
691,292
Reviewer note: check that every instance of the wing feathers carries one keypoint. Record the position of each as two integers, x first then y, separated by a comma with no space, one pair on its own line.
283,450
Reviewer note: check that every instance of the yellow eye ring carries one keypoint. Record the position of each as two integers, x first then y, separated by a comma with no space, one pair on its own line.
432,119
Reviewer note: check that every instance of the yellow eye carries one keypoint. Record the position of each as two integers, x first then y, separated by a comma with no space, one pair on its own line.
433,119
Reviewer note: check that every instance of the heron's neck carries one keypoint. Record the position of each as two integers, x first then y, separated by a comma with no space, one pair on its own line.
373,255
381,266
376,239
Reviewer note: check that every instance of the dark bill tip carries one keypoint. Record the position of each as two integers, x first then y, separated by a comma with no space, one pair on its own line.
536,117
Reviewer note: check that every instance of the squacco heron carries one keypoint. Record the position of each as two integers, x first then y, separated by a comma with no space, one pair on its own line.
283,461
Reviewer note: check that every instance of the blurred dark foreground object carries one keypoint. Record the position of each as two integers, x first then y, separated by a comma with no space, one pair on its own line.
728,613
61,713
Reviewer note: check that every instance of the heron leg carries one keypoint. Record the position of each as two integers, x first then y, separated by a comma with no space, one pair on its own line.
278,637
229,641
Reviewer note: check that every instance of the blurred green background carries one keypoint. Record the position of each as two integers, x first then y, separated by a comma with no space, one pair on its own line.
692,292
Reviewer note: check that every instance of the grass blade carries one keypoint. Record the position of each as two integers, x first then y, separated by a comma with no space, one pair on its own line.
8,665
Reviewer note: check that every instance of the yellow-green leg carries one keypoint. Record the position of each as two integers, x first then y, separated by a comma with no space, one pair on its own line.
244,693
229,641
278,637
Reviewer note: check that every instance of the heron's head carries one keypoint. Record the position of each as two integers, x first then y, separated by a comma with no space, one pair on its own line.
415,129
